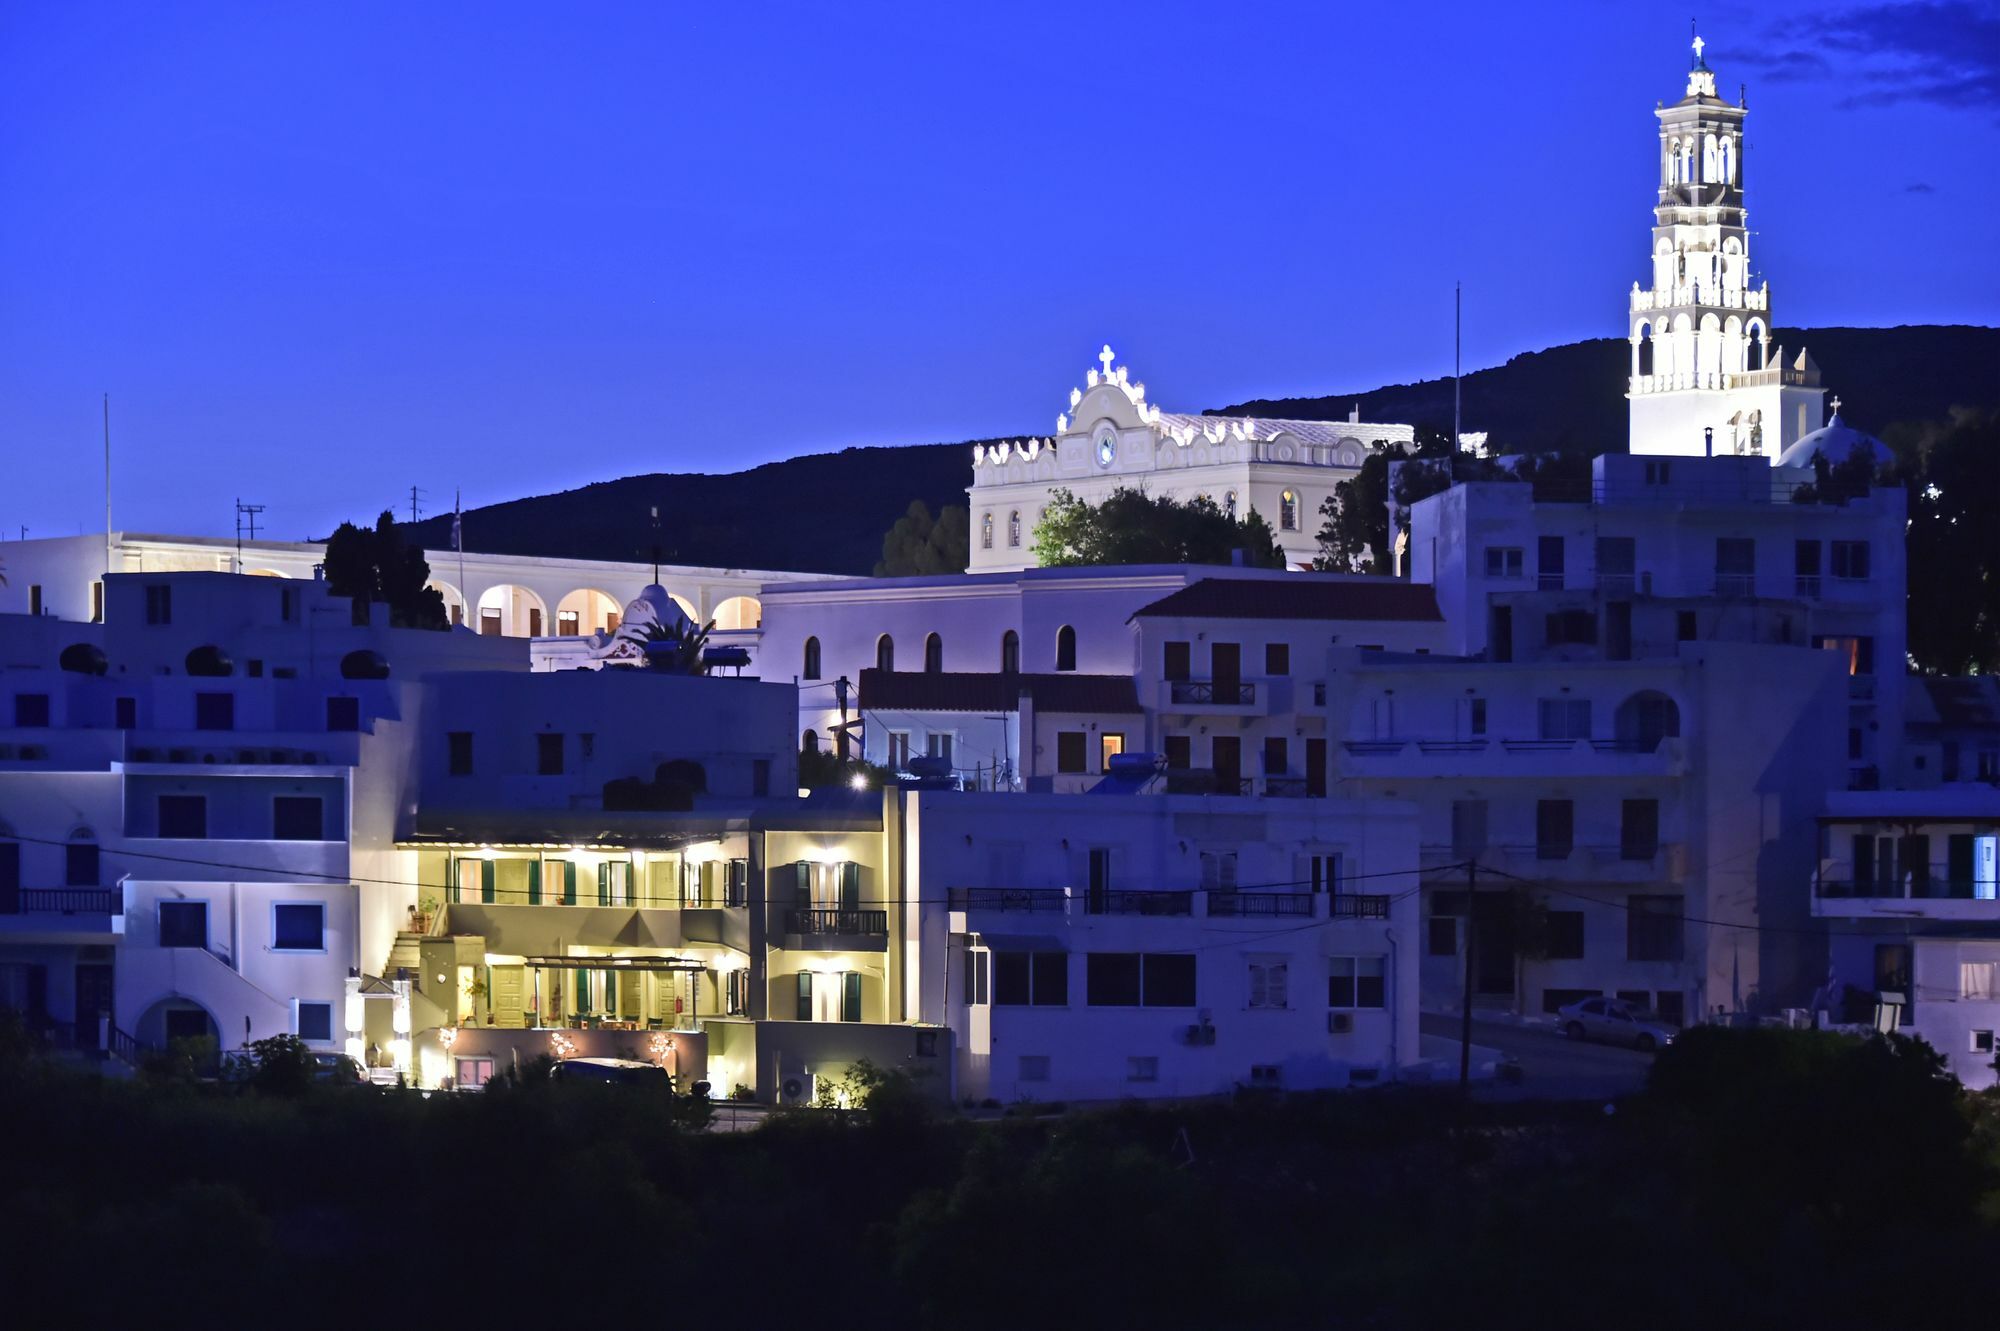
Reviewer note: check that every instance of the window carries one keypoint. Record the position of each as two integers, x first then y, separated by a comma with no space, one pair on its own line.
1571,628
1070,751
986,531
1229,504
1177,661
1653,928
1565,718
885,653
1475,717
183,816
549,755
804,1010
298,927
1564,939
1277,756
1142,1069
850,996
81,864
1269,984
899,750
297,818
1441,936
1034,1067
1617,558
1639,829
31,710
459,746
1735,565
315,1022
1468,828
1356,982
736,993
1685,626
343,713
933,655
1850,560
1109,745
1218,871
215,711
1277,658
1555,829
183,924
1010,653
1066,648
1503,561
1180,752
1288,511
938,744
126,713
1133,979
810,668
1805,568
1982,1042
159,604
1030,979
1014,530
978,975
1549,563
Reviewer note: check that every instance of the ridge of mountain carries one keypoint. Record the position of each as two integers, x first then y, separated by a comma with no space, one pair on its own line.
763,517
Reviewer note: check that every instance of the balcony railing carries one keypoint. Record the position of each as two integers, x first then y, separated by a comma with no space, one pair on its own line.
71,900
1735,584
1285,787
1025,900
1260,904
1119,902
817,921
1358,906
1228,692
1938,888
1807,586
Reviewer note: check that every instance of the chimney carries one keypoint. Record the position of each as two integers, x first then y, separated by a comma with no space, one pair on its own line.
1354,414
1708,440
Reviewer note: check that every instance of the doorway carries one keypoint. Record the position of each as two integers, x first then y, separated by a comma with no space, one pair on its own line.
93,1001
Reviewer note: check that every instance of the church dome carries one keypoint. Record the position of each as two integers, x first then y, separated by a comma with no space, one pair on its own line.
1836,441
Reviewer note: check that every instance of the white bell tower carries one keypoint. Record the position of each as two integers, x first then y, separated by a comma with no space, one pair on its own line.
1704,373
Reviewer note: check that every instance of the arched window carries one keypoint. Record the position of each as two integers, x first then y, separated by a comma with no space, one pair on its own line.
1646,718
809,742
1014,529
934,655
1066,648
986,531
811,670
885,653
1288,511
1010,653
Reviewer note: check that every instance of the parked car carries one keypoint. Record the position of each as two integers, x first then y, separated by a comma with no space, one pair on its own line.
616,1071
1614,1021
338,1070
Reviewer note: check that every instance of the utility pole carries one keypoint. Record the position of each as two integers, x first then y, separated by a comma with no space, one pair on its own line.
414,493
1465,1001
1457,341
245,513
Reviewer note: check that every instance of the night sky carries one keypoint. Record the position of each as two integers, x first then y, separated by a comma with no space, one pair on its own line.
320,253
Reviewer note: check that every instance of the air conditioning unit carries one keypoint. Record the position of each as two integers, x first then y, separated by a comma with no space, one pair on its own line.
1203,1033
1340,1023
798,1088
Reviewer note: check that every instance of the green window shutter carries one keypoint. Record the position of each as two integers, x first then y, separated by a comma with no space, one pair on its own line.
804,872
569,882
583,991
850,886
850,996
486,880
805,1012
534,882
603,884
451,884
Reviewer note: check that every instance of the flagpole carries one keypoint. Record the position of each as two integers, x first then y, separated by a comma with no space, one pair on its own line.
458,543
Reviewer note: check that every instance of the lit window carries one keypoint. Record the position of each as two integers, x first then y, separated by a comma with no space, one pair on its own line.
1288,511
1014,528
986,532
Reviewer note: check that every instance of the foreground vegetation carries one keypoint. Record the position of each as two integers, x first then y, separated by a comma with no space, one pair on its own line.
1764,1178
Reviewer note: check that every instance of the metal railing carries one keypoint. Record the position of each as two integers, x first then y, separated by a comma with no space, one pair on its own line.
1938,887
1229,692
1285,787
1107,901
1027,900
1260,904
71,901
1358,906
815,920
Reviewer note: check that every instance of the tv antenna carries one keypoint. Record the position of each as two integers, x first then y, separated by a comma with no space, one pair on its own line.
246,516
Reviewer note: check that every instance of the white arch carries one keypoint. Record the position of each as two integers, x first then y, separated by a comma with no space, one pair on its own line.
586,611
263,573
513,611
739,612
454,599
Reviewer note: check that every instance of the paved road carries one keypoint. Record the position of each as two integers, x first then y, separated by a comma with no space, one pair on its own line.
1552,1067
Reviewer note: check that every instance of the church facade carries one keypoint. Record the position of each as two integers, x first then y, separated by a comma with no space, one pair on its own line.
1112,437
1705,377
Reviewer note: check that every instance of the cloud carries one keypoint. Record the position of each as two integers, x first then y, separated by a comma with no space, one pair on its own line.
1919,187
1946,53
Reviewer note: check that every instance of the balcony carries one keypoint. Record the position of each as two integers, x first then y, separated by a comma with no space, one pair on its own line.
834,929
1932,897
1211,692
1105,901
70,901
1261,905
1011,900
63,914
1502,756
1285,787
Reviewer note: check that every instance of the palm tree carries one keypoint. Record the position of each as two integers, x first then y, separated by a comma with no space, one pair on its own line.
676,648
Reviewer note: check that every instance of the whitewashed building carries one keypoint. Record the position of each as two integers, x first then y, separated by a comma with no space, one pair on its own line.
1112,437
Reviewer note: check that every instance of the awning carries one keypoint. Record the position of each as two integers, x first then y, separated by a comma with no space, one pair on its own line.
683,964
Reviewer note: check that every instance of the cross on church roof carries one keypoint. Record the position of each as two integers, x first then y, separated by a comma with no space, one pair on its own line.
1698,44
1836,404
1105,358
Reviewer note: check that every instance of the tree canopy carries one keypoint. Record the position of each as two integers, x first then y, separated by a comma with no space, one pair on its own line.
919,545
1133,527
1951,469
377,567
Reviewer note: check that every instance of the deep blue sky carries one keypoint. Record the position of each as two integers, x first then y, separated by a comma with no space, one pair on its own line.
318,253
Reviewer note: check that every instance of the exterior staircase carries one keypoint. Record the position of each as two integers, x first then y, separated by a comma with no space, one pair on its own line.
405,952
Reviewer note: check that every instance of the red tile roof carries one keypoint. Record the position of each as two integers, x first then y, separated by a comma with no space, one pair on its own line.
1299,598
926,691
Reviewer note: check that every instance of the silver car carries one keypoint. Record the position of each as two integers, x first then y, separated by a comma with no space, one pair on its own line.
1614,1021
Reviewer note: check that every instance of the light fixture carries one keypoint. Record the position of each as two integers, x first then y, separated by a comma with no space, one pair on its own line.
859,781
447,1036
